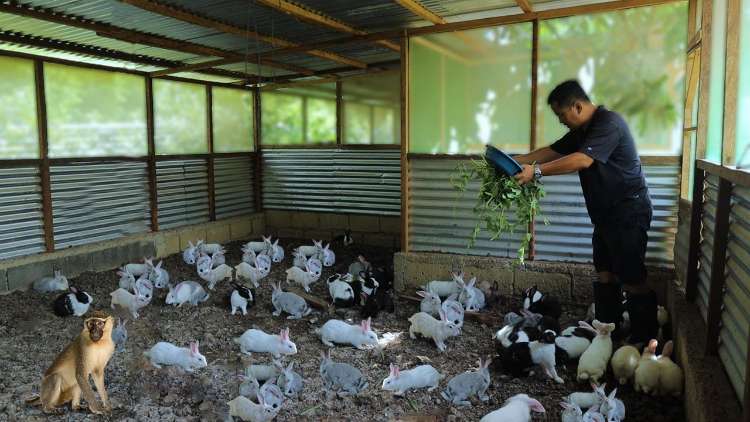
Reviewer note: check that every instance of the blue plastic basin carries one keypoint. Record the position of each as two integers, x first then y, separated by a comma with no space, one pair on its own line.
501,161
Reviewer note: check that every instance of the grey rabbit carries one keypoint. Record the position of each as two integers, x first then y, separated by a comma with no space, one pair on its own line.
467,384
289,303
120,334
272,394
344,378
290,382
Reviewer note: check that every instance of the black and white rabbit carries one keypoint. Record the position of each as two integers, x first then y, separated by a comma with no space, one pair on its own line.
76,303
520,358
540,303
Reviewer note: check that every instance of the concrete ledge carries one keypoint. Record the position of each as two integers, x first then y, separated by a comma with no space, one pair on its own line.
709,396
19,273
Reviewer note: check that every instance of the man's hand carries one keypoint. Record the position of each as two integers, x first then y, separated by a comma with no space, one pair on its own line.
526,175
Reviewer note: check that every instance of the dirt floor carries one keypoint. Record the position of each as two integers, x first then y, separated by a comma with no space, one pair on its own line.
31,336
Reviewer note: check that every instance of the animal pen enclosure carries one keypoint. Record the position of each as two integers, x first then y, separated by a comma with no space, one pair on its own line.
130,127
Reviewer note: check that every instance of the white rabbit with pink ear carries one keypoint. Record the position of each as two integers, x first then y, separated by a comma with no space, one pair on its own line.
190,254
164,353
139,269
326,255
304,277
52,284
423,376
337,331
593,362
670,375
127,280
516,409
571,412
159,276
430,303
129,301
243,408
254,340
438,330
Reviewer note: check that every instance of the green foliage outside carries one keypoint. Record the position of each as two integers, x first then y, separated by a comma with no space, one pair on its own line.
232,119
18,125
743,110
179,118
281,120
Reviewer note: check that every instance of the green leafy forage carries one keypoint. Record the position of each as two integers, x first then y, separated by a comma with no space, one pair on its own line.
498,194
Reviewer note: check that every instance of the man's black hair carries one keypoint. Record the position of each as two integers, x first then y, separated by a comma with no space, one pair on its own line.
565,94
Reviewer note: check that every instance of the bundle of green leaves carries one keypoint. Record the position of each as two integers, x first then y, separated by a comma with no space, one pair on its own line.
499,197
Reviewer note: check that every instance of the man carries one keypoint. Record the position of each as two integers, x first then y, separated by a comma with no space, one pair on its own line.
600,148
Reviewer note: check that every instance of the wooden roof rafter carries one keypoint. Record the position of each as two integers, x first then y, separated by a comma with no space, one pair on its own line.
309,15
207,22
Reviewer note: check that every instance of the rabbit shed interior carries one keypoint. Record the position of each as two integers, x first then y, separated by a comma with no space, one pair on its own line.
137,128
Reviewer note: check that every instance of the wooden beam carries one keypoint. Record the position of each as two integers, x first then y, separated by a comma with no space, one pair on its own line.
373,68
525,5
152,184
317,18
258,163
193,67
196,19
210,159
718,264
737,176
44,176
339,114
404,143
421,11
731,81
705,80
532,129
696,213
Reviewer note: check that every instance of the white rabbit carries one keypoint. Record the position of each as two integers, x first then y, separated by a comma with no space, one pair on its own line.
254,340
439,330
209,248
454,312
574,341
670,375
571,412
218,258
245,409
288,302
220,273
311,250
164,353
444,288
290,382
144,287
341,377
305,278
187,291
299,259
593,362
276,252
248,272
249,387
264,372
203,264
315,267
326,256
624,362
337,331
159,276
130,301
341,292
593,415
127,280
190,254
470,297
249,255
516,409
120,334
612,408
587,400
257,247
239,299
263,263
52,284
467,384
139,269
271,393
430,303
423,376
647,372
662,317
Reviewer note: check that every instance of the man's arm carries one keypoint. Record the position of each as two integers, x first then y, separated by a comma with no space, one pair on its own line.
570,163
542,155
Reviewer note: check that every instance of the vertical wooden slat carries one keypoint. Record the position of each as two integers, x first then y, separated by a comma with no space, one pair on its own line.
152,194
258,157
692,6
731,81
404,142
705,80
210,160
41,113
533,140
339,115
696,211
718,263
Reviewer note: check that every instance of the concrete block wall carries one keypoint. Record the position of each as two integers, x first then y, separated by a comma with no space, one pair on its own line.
19,273
366,229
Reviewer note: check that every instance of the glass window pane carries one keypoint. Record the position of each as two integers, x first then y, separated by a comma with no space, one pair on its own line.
94,113
321,120
372,108
716,90
179,118
232,111
639,74
281,119
471,88
18,124
742,149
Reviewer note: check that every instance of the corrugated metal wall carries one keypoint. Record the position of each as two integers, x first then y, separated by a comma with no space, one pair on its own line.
21,227
182,192
92,202
333,180
440,223
233,184
735,319
710,195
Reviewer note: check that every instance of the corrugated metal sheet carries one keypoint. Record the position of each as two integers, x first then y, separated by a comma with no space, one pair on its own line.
438,222
182,192
735,319
95,201
346,181
21,227
710,195
565,209
233,184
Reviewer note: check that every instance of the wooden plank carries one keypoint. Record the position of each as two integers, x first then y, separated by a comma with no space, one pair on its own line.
339,115
525,5
68,160
533,138
705,80
696,211
258,164
196,19
718,263
659,160
152,187
41,112
314,17
421,11
372,68
692,6
16,163
737,176
731,81
327,145
193,67
404,142
210,159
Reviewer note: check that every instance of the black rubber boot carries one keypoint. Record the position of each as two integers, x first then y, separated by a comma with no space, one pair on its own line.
642,309
608,305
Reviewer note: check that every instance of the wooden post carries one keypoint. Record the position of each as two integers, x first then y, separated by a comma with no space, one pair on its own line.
731,81
44,176
696,212
152,187
210,160
339,115
705,80
258,163
404,142
533,140
718,263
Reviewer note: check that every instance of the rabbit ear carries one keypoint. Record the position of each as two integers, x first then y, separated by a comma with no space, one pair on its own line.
261,401
612,394
193,348
191,244
396,371
566,405
421,293
668,348
369,323
472,281
442,315
535,405
290,368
